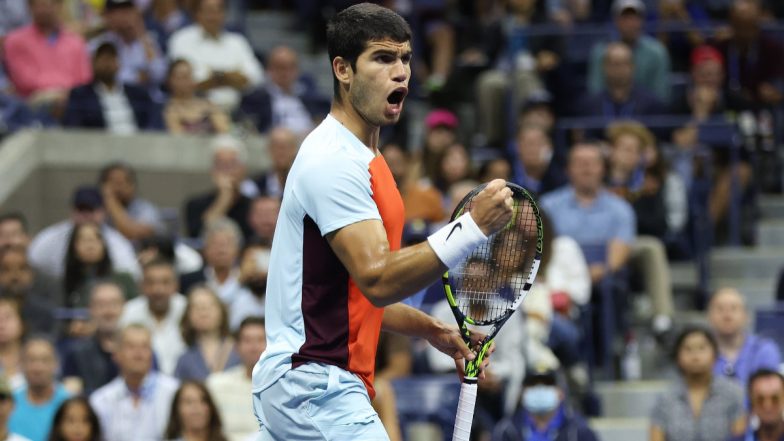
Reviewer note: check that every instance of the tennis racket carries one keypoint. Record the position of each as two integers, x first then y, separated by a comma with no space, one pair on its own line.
486,288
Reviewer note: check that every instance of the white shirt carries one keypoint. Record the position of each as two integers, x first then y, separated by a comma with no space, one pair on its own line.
231,391
289,111
48,248
123,420
15,437
166,337
117,112
229,289
245,305
228,52
568,270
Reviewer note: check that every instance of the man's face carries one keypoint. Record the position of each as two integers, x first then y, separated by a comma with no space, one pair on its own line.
221,250
251,342
534,148
159,285
380,83
727,313
767,400
12,233
45,13
39,364
618,66
134,353
227,162
264,216
626,153
16,275
105,67
124,22
282,148
629,24
211,16
106,306
282,68
121,184
708,74
88,216
586,168
745,20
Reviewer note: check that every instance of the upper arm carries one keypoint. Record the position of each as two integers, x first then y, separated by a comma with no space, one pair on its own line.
626,228
362,247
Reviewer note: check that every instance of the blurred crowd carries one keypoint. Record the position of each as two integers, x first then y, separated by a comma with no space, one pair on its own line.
121,323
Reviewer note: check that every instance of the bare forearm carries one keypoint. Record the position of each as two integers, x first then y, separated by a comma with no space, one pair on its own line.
405,272
219,207
124,223
405,320
618,255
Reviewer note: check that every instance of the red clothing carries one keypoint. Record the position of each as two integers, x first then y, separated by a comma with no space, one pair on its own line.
36,62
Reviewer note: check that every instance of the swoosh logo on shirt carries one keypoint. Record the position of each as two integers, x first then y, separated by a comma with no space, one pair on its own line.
458,225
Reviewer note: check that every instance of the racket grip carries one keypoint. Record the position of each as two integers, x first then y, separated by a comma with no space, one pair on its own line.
465,412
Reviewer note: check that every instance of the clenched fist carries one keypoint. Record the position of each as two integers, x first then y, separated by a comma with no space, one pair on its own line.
491,209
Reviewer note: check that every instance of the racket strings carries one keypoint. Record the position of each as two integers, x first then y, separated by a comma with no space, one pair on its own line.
491,280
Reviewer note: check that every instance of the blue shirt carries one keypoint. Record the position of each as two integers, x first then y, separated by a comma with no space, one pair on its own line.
34,421
756,353
609,217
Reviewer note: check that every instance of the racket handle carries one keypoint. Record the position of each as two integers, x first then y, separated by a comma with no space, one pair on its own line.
465,411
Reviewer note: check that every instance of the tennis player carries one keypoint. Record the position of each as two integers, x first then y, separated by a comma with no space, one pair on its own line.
337,271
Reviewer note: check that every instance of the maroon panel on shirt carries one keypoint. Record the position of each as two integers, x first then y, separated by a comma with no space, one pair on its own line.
324,302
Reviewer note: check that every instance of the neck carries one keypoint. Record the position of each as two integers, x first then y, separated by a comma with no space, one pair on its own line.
9,347
698,381
214,33
40,394
585,195
194,434
134,381
536,171
541,421
161,314
108,83
356,124
222,273
208,337
249,370
620,93
619,174
183,96
46,29
730,343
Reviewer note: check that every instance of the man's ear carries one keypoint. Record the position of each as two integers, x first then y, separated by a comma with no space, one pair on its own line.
342,70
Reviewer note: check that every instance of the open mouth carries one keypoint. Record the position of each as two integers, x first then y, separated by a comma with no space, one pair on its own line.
397,96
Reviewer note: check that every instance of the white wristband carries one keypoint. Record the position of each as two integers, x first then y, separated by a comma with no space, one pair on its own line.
456,240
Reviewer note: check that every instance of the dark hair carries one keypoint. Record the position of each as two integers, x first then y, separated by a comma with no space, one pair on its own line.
350,31
59,416
173,65
105,48
159,261
174,429
163,244
694,329
15,216
103,176
76,272
439,180
763,373
252,320
186,328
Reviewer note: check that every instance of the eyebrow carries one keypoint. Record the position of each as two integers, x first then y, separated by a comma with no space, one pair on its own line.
394,53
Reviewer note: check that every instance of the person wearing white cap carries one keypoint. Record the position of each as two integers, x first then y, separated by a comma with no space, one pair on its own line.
651,59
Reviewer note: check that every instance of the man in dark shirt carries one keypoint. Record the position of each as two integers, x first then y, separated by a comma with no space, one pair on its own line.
37,295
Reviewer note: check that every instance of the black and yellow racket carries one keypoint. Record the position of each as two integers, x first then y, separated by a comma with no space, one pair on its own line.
486,288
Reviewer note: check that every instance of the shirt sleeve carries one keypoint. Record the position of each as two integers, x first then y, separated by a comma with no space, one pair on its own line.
336,192
768,355
626,229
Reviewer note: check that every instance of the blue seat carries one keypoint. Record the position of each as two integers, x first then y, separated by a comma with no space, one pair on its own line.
769,322
430,399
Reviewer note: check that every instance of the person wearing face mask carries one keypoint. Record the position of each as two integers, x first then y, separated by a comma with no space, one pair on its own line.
544,415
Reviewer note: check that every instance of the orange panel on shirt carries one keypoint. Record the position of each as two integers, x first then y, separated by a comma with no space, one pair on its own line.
365,319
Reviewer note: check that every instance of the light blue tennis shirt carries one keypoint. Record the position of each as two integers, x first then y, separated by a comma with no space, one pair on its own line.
608,217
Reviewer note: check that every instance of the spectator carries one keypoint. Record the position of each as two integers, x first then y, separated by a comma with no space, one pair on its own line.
37,402
692,18
229,169
587,212
194,415
89,364
15,15
286,99
454,166
37,296
136,218
14,230
700,405
134,406
86,261
543,413
164,18
49,247
282,145
222,245
766,395
11,330
254,265
658,203
238,419
538,111
6,408
186,112
44,60
83,17
534,168
107,102
440,132
741,353
650,59
620,97
263,217
17,114
495,168
223,62
421,200
75,420
160,309
205,329
753,69
140,59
